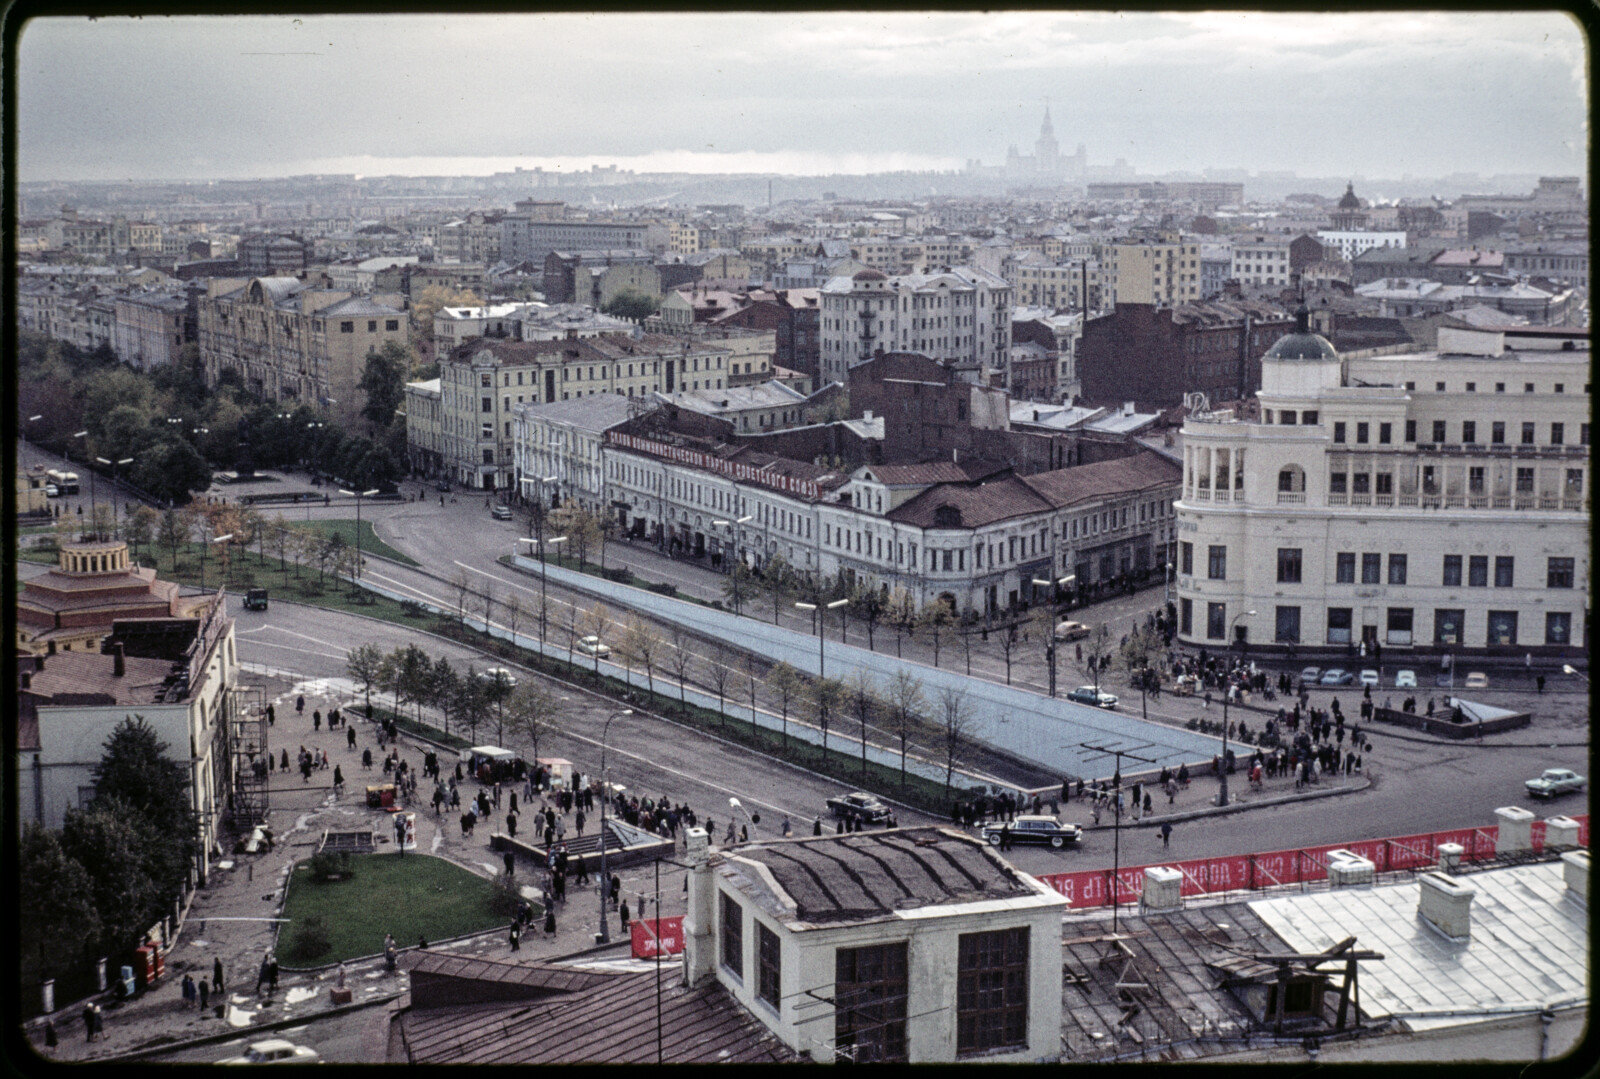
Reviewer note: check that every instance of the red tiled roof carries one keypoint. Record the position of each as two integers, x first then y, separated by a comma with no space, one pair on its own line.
72,674
984,504
1087,483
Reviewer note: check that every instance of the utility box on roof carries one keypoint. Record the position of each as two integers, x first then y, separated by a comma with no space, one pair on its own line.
1163,889
1346,868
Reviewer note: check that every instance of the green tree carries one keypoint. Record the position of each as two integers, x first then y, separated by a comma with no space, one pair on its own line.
444,685
631,303
738,587
112,843
364,664
826,696
174,533
472,702
789,685
383,380
140,529
170,470
868,605
55,899
135,771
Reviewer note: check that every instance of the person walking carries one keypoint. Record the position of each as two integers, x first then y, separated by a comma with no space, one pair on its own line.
261,971
511,864
316,719
216,974
350,737
516,937
88,1021
1166,832
272,716
624,915
188,991
550,921
50,1039
205,996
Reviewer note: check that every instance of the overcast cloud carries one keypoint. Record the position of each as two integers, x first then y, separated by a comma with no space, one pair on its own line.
1361,95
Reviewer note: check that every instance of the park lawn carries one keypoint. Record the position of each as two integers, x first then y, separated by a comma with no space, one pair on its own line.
370,543
411,895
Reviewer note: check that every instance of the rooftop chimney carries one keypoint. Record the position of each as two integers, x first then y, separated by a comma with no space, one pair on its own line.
1516,830
119,665
1445,904
699,923
1575,870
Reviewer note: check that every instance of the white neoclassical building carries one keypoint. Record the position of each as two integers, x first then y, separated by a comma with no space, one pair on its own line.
1429,501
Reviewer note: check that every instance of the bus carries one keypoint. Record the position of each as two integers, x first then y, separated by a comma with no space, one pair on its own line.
66,482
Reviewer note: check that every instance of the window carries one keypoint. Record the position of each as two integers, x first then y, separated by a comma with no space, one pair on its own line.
992,990
1452,571
1478,571
1503,565
1558,433
1385,433
1286,417
1397,569
1439,387
1502,627
1362,484
488,405
1499,387
1411,430
1288,565
1371,568
1527,387
1497,433
733,936
1185,616
1385,483
769,959
1527,434
1438,431
1217,570
1525,481
1361,432
1560,387
870,987
1469,431
1308,419
1583,434
347,327
1186,558
488,457
391,324
1557,627
1559,573
1288,623
1339,622
1447,626
1216,620
1399,625
1338,431
1472,387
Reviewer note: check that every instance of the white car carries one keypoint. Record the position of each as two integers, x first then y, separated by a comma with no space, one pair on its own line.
1309,675
591,646
275,1051
499,674
52,491
1477,680
1405,679
1369,677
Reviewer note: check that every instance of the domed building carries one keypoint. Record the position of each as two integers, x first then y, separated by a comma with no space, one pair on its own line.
1388,509
1350,216
71,607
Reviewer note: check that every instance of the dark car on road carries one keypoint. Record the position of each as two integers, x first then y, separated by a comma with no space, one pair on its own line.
1033,829
858,805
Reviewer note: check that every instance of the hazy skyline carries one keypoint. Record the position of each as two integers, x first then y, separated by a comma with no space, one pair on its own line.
1372,94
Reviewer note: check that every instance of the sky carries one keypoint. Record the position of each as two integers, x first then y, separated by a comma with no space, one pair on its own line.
1362,95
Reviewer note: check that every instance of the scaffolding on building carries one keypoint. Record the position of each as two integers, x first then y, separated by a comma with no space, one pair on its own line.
248,769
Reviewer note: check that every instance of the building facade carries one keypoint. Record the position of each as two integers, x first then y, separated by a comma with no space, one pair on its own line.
1434,502
1163,273
558,449
962,315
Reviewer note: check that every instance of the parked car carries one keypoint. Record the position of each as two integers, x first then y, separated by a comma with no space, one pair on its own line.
276,1051
52,491
1335,676
1555,781
1031,828
443,486
591,646
1405,679
1089,695
1309,675
501,513
1476,680
1071,631
1369,677
499,674
255,599
861,806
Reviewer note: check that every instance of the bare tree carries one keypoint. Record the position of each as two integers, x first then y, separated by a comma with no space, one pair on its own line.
1010,640
681,659
863,693
534,713
752,673
462,584
957,727
788,684
826,693
901,612
486,600
936,619
778,579
514,612
869,606
596,624
642,642
905,695
717,668
571,627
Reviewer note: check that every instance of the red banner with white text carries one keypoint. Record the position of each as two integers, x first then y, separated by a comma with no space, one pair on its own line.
646,933
1243,872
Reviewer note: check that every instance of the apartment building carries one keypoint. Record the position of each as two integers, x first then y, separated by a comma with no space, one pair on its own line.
424,428
1424,503
1037,280
528,238
149,328
1350,243
1154,356
1164,272
962,316
558,449
289,340
1261,260
481,382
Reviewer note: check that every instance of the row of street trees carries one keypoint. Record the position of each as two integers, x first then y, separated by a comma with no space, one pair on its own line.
114,869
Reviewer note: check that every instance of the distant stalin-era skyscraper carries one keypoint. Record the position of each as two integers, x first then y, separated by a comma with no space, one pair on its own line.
1046,158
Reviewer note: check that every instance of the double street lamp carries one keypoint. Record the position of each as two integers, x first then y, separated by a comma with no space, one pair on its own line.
604,936
1050,631
1227,691
735,562
359,496
114,466
543,594
822,635
219,539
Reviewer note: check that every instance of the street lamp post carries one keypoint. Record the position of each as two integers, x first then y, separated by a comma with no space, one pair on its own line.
115,465
359,496
1567,668
543,595
1116,816
203,546
733,565
604,936
1227,689
1050,633
822,635
1168,594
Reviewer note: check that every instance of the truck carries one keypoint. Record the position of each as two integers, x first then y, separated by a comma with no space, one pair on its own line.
858,805
255,599
66,482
